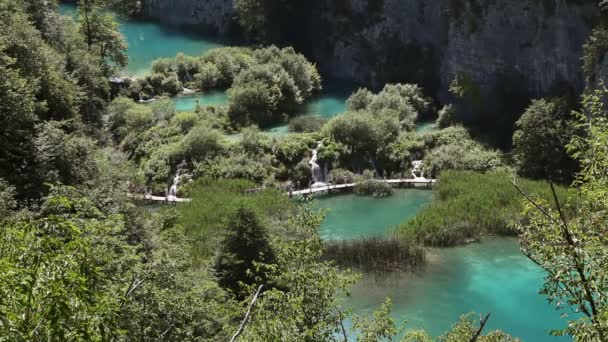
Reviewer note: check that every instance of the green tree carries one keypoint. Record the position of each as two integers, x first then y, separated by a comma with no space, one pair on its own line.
539,143
244,253
569,240
305,303
102,35
61,276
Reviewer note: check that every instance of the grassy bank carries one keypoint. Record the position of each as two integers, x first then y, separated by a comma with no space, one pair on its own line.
469,204
213,201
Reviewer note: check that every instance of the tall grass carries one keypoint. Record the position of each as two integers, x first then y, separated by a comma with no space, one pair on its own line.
213,201
468,204
376,255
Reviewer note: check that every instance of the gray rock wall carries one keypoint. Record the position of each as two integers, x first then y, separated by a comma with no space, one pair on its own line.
430,41
209,15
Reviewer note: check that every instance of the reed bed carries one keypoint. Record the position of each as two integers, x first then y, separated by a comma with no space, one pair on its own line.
376,255
469,204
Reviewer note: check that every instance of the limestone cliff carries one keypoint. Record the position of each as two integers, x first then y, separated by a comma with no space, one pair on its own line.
208,15
538,43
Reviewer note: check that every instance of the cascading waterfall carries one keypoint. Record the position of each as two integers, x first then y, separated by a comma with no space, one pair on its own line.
318,176
177,179
417,166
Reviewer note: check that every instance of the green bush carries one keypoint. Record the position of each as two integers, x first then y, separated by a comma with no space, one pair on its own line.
375,188
185,121
341,176
201,143
306,124
468,204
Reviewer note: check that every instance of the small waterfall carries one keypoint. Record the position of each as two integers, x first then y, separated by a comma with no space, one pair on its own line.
176,180
417,166
318,175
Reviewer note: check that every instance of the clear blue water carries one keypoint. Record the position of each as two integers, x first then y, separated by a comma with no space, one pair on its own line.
212,98
352,217
492,276
149,41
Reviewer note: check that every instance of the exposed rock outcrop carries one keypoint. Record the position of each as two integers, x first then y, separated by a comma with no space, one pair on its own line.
206,15
429,42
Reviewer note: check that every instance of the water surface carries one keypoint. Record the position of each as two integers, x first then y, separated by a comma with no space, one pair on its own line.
149,41
492,276
351,216
211,98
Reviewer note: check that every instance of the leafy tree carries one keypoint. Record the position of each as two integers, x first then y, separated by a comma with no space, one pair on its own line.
377,328
201,143
102,35
364,133
539,144
304,305
175,300
359,100
569,240
407,100
244,253
61,275
64,158
17,119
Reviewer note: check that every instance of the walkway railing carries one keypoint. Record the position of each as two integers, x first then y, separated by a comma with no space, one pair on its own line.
328,188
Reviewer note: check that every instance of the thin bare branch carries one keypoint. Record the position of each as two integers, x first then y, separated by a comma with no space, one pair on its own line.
246,318
482,324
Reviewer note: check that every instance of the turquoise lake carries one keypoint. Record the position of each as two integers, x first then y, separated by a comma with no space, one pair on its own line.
491,276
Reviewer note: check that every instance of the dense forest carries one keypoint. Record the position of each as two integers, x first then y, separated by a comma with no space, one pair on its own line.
83,257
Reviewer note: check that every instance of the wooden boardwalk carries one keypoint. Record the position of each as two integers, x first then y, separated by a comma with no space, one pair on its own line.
168,199
329,188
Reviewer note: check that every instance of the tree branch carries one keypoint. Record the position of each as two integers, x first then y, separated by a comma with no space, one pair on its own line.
482,324
246,318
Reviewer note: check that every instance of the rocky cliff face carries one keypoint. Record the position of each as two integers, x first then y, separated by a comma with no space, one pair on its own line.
537,43
209,15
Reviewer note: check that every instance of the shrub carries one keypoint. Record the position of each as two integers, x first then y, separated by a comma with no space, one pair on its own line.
138,117
201,143
446,116
341,176
209,76
539,143
185,121
375,188
238,165
306,124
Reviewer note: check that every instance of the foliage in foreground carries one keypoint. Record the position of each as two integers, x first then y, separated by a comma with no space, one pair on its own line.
569,239
468,204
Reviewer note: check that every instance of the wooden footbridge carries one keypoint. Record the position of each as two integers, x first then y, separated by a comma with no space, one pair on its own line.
413,182
165,199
